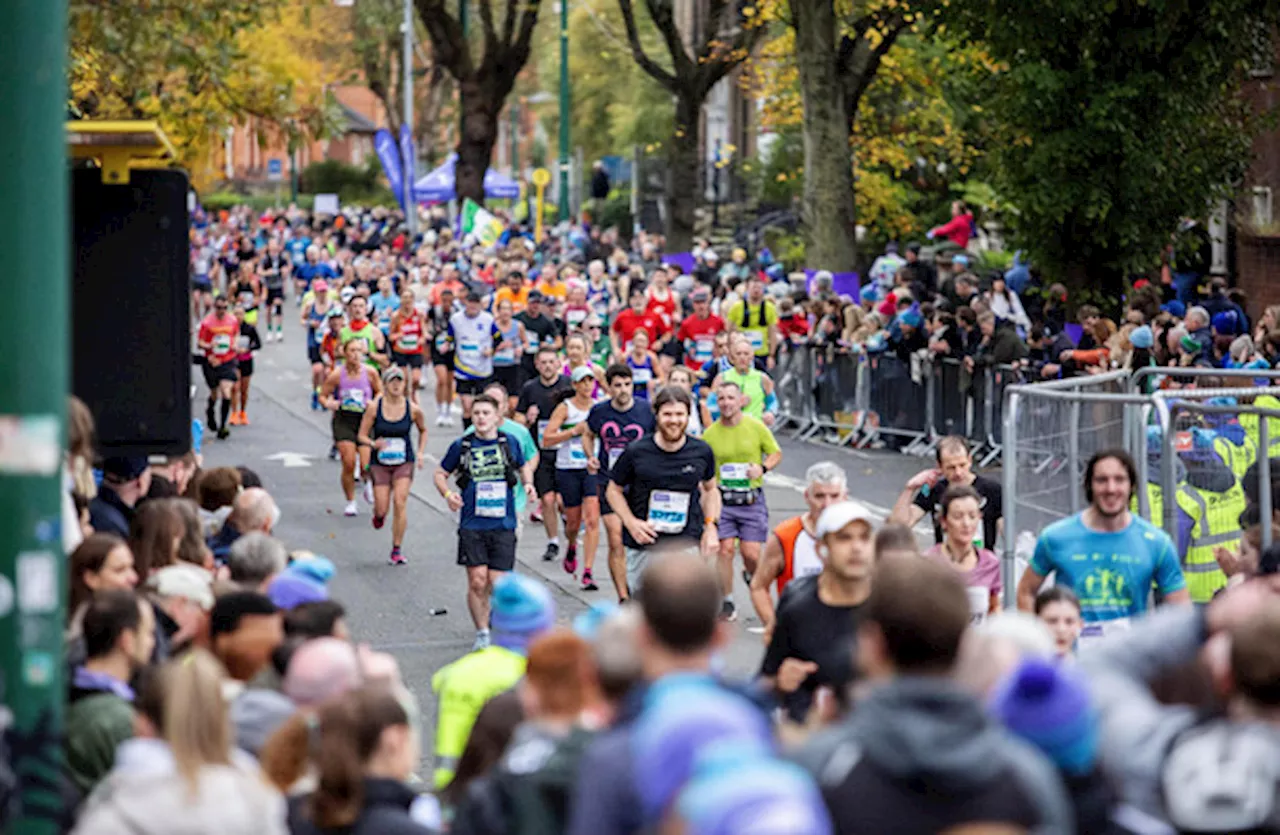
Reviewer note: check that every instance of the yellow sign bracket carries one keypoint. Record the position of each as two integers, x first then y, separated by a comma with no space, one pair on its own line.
118,147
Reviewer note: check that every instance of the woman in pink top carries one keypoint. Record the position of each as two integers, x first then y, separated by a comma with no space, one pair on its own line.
962,548
959,229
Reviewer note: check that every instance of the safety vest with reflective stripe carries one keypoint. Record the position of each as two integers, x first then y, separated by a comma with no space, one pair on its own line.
462,688
1155,503
1216,525
1252,429
1239,457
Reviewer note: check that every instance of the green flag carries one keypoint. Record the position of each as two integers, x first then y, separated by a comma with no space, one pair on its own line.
486,227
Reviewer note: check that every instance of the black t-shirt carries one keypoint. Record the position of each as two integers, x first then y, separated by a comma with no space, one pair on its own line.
546,328
667,480
990,497
534,393
809,630
273,270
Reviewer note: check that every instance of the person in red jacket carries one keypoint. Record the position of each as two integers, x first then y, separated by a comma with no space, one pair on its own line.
959,229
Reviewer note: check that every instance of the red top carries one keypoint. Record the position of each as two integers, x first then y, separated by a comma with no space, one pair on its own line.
702,333
218,337
959,229
411,335
666,308
797,324
626,323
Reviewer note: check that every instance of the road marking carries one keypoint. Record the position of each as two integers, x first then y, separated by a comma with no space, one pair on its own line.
291,460
798,485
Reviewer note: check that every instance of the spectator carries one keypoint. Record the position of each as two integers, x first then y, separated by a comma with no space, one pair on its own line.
255,559
215,491
182,773
1004,302
103,562
154,536
125,481
193,549
959,229
1000,344
919,754
1059,608
245,628
253,510
322,619
918,274
489,738
182,595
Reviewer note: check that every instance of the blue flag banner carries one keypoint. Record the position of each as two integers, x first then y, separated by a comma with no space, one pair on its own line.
410,155
389,155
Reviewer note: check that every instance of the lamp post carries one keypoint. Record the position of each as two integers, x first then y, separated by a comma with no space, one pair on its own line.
564,110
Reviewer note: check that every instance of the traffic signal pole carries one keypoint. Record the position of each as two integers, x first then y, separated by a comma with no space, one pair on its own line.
35,238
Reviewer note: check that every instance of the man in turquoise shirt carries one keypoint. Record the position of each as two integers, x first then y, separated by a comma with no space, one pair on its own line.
508,426
1108,556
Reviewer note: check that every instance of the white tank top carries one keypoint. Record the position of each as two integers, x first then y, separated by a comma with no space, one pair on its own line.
695,421
805,561
572,455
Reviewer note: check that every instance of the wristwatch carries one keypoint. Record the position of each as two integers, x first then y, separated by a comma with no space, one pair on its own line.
711,521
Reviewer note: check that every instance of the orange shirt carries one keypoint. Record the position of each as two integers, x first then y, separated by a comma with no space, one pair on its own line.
556,291
219,334
519,298
459,291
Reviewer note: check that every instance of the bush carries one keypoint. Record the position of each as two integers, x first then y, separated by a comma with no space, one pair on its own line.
334,177
787,249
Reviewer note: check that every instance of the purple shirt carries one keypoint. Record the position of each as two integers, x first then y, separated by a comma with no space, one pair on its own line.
985,573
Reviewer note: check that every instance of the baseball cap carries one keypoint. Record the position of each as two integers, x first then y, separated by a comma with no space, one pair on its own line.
392,373
184,580
535,296
701,294
290,589
710,255
124,467
582,372
320,285
840,514
347,294
336,313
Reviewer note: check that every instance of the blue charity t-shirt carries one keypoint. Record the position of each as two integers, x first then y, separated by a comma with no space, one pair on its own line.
488,503
618,429
527,446
380,309
310,272
298,250
1111,573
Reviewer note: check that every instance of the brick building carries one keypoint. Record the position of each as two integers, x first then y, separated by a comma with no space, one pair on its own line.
1254,236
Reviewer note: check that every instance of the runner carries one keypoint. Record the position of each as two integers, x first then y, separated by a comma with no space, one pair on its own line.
311,270
757,318
599,290
386,428
663,489
247,341
922,492
202,265
700,418
646,373
1129,554
745,450
509,351
541,332
628,321
246,290
718,364
442,354
757,387
360,328
576,309
272,270
697,334
217,339
611,426
601,347
474,337
382,305
487,465
408,334
961,548
316,311
661,300
577,356
515,290
791,550
575,482
811,650
523,438
347,392
538,398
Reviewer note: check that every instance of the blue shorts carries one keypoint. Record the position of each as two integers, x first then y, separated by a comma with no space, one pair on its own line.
574,486
201,283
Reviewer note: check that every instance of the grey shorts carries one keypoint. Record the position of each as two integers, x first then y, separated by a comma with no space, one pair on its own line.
747,522
638,559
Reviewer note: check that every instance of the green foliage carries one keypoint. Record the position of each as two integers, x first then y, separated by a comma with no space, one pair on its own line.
777,178
617,211
1113,121
989,260
362,186
787,249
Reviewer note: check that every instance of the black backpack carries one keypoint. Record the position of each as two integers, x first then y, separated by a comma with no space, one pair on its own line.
510,470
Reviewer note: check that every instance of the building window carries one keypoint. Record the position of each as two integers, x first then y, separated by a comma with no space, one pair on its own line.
1261,207
1263,63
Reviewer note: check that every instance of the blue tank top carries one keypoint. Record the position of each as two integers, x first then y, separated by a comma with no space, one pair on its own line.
641,374
509,355
398,448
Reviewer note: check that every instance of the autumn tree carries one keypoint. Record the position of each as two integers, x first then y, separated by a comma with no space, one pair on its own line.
485,70
694,63
1116,120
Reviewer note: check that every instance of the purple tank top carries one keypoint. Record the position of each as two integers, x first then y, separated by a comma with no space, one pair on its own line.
354,395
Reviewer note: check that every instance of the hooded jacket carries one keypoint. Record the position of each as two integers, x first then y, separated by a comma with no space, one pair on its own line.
919,756
146,795
387,811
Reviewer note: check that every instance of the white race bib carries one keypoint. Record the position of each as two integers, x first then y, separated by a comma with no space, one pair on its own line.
442,343
242,344
221,343
353,399
734,477
703,348
491,499
668,511
575,318
757,340
532,346
979,603
408,342
392,453
577,454
469,354
504,355
1094,632
641,376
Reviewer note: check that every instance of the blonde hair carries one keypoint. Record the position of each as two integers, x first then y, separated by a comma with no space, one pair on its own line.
195,720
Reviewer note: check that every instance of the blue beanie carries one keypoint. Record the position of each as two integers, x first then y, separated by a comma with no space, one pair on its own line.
290,589
521,609
1049,706
1175,307
1225,322
912,318
1141,337
588,623
738,787
869,293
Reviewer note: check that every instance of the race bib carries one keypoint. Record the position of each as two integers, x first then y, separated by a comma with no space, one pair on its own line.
469,353
577,455
353,400
221,343
242,344
614,455
734,477
246,298
757,340
641,376
443,344
491,499
668,511
532,346
703,348
542,430
575,318
408,342
979,603
393,452
505,355
1094,632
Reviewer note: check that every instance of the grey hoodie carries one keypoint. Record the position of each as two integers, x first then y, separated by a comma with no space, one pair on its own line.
145,795
930,737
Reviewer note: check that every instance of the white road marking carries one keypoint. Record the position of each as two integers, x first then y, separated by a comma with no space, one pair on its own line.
291,460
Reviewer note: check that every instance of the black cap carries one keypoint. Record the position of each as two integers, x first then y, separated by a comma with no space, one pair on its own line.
536,296
124,467
914,246
474,296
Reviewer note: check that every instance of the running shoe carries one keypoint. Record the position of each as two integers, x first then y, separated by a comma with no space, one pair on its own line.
233,419
553,551
398,558
588,582
728,611
535,515
571,559
315,401
367,492
333,453
223,433
244,418
482,640
280,335
351,509
439,419
378,522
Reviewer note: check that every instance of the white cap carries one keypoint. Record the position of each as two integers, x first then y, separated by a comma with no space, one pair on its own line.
840,514
184,580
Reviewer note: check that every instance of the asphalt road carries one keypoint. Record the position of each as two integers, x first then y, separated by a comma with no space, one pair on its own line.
388,607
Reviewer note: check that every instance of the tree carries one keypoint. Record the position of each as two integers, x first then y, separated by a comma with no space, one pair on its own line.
485,74
1115,120
721,46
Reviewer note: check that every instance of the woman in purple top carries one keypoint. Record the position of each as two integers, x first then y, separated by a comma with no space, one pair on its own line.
962,548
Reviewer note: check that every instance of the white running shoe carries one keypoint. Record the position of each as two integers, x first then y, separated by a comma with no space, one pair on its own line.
367,492
351,509
280,336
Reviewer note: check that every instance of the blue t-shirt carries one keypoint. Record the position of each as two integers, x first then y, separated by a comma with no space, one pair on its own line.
380,309
1111,573
487,501
618,429
298,250
310,272
527,446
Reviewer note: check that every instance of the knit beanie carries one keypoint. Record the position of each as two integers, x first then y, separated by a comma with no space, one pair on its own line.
290,589
1049,706
1141,337
739,787
521,609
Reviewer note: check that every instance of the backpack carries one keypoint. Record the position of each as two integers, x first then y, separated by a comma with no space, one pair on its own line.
510,470
1222,777
760,314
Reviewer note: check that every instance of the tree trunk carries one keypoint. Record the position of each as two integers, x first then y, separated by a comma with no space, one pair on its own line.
481,105
828,210
684,172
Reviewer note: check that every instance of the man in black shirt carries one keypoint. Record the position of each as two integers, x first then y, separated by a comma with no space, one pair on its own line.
543,332
923,492
812,645
538,398
663,488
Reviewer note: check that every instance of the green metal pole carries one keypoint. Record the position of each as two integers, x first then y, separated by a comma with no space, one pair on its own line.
34,235
515,139
564,110
462,102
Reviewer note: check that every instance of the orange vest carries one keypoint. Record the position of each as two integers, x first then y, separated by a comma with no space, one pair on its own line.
788,532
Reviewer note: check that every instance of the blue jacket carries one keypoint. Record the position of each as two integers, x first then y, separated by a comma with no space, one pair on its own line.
109,514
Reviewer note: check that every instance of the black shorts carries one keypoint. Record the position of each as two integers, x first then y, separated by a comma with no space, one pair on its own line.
602,483
274,294
672,349
444,358
406,360
214,374
346,426
575,486
511,376
495,549
202,284
246,368
544,477
470,387
313,353
762,364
